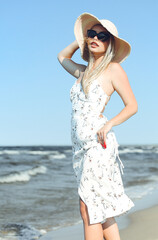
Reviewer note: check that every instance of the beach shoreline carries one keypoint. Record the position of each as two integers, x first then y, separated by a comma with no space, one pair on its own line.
141,220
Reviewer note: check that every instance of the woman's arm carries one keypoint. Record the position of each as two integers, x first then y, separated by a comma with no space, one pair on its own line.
122,86
70,66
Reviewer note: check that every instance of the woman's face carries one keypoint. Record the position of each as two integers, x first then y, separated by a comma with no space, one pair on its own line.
96,46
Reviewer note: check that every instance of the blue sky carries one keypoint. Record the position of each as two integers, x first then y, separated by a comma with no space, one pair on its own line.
34,94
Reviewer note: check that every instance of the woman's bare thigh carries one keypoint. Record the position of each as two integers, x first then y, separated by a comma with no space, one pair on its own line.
83,211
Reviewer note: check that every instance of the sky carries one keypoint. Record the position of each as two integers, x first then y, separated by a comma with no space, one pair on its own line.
35,89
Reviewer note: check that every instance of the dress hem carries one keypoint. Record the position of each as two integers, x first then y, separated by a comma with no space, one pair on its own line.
104,219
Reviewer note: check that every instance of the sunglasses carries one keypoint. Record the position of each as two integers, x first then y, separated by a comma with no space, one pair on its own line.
102,36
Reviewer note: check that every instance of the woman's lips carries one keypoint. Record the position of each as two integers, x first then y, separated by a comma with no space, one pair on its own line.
94,44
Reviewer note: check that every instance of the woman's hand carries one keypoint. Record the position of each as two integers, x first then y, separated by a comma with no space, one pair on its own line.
103,131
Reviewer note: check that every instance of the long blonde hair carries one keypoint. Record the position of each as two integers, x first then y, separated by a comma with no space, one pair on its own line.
89,75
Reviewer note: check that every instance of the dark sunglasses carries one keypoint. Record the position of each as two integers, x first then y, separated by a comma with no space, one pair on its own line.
102,36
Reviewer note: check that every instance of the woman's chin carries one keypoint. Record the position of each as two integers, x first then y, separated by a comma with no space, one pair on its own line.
96,50
96,53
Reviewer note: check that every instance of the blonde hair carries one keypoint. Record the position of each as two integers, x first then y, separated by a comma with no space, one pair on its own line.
89,76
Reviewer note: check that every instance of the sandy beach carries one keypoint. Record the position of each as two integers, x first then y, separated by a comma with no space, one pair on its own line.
142,226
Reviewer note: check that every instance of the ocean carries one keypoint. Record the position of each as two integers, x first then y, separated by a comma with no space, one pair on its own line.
38,189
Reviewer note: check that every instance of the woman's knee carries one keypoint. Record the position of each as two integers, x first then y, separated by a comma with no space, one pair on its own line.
84,212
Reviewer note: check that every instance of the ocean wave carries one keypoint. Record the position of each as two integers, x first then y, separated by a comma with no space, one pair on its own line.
30,152
23,176
23,231
127,150
38,152
10,152
42,152
138,192
57,156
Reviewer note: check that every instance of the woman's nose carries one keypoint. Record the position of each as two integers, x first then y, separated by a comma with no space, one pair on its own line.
96,37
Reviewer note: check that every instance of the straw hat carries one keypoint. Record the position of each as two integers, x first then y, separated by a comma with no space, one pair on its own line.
86,21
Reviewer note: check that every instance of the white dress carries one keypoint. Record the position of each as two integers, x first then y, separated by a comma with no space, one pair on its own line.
96,168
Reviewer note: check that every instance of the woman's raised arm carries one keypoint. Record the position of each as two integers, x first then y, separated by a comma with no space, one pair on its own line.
68,64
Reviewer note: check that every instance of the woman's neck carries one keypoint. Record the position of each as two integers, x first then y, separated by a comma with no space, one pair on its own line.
97,60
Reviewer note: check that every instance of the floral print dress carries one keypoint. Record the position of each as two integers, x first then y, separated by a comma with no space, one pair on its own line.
96,168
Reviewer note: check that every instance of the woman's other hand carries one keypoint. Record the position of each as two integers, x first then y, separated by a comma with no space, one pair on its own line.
102,132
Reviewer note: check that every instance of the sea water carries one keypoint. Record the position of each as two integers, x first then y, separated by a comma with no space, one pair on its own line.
38,189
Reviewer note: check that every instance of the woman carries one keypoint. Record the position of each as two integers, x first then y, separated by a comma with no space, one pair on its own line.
94,145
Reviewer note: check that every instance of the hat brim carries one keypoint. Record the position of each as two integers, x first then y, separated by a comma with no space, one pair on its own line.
86,21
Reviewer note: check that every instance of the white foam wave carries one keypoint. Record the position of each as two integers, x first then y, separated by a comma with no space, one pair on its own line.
38,152
57,156
10,237
139,191
23,176
127,150
42,152
10,152
16,152
154,178
22,231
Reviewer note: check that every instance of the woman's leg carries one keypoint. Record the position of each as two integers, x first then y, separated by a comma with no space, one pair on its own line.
93,231
110,229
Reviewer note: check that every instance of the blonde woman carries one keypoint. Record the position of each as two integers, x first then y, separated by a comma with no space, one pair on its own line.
96,161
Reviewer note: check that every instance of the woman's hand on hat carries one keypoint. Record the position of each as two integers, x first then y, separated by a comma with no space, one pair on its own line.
103,131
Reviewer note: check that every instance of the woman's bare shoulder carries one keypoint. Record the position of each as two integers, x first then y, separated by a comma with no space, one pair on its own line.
116,71
116,68
119,78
